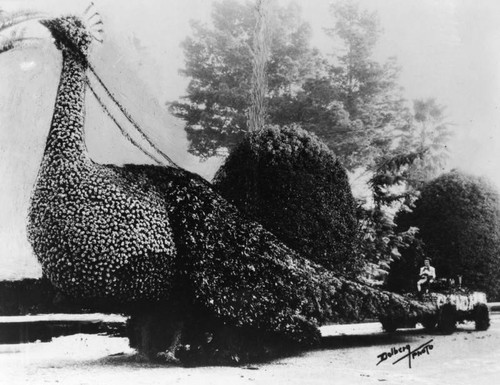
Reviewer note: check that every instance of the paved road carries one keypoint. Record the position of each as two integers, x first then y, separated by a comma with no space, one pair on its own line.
349,355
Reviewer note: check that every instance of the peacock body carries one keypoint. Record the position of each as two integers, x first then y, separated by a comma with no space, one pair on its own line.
149,233
97,232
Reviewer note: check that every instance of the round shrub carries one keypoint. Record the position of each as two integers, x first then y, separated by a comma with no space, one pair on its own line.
290,182
459,220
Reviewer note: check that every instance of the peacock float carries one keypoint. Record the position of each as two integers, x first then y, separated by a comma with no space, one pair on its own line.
158,243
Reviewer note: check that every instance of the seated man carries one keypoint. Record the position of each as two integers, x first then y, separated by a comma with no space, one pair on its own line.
427,274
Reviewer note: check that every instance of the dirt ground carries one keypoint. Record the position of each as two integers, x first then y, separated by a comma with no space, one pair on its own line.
349,355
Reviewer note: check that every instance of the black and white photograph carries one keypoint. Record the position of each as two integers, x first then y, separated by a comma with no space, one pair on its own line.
249,192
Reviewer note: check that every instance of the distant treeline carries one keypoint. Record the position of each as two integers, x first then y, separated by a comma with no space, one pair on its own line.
34,296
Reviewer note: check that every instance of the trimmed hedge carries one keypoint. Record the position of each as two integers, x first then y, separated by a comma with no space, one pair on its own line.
34,296
459,220
290,182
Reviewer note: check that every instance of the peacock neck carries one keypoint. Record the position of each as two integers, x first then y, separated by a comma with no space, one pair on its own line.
66,141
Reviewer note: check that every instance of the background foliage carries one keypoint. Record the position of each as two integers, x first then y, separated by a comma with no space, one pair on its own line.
219,65
352,102
349,100
379,241
459,220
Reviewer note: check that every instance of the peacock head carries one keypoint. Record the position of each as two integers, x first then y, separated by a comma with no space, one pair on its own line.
73,34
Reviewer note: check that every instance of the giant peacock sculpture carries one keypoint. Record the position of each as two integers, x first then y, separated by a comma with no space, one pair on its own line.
152,237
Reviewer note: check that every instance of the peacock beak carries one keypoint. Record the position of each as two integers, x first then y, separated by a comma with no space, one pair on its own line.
49,24
45,22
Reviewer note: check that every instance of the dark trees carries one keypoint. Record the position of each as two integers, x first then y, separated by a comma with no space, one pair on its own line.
364,106
219,63
429,134
352,102
459,220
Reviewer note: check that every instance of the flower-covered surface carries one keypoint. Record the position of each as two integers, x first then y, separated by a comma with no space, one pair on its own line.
97,232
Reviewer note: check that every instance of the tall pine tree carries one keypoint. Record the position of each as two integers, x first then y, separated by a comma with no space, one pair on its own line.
350,101
219,64
356,105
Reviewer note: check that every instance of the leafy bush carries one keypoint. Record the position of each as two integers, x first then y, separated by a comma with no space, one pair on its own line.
379,241
290,182
403,272
459,220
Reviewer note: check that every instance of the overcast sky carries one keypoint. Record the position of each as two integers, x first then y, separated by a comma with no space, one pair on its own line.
448,49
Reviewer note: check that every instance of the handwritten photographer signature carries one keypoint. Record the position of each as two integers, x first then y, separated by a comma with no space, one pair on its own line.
410,354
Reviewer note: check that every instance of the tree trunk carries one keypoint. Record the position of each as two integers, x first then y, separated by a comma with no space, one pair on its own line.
260,55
